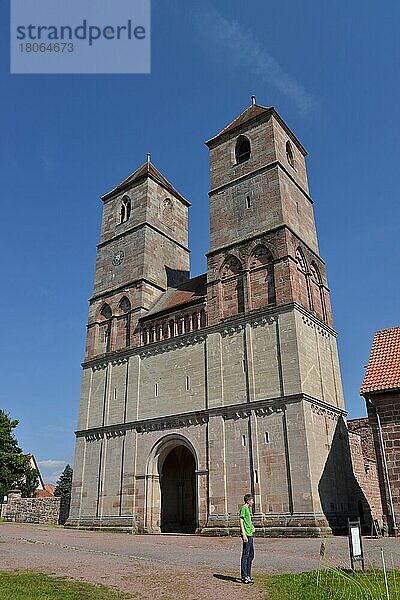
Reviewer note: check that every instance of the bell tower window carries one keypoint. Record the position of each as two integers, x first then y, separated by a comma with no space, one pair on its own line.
125,211
289,155
242,150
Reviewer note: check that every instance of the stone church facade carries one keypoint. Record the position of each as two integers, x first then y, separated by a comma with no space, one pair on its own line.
196,391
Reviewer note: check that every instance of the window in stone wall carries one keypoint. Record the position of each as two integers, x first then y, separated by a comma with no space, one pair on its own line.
124,323
106,314
289,155
125,211
261,277
242,149
243,440
106,311
156,390
232,287
187,383
266,437
317,292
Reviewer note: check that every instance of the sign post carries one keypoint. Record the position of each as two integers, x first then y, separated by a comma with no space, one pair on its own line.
355,543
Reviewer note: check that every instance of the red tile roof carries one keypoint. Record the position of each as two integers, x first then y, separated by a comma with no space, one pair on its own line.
146,170
383,370
190,292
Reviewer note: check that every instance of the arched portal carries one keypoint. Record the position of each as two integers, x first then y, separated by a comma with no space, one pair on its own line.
177,483
171,503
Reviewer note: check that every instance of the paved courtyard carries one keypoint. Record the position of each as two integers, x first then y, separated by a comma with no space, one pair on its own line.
170,566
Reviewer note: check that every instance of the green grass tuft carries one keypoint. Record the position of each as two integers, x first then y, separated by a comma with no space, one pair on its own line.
27,585
333,584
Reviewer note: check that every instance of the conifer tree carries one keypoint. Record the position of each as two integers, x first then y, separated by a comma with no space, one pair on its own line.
64,483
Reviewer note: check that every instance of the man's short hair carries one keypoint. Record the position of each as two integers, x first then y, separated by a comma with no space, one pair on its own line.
247,497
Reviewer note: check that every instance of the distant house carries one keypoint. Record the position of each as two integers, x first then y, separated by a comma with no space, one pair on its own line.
381,390
34,465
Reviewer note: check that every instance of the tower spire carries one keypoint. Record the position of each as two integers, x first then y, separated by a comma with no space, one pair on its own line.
253,100
148,158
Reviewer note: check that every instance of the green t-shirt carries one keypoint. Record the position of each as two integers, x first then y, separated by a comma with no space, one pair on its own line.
247,522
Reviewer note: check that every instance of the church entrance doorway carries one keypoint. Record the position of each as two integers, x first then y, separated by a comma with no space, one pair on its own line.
177,484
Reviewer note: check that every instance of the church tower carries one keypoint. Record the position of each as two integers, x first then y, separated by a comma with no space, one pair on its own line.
198,390
142,250
259,195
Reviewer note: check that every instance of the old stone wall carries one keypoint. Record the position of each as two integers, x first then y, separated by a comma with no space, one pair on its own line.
388,406
365,467
35,510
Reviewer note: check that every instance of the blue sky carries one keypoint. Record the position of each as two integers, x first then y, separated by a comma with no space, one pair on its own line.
332,72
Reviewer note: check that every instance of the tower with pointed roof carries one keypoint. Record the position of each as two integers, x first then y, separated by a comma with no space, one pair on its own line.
196,391
143,249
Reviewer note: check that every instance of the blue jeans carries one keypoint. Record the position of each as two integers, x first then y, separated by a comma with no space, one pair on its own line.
247,557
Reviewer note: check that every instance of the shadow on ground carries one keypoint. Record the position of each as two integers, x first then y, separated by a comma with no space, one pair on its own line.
227,578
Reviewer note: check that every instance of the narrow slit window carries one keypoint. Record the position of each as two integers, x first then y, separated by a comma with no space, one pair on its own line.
243,440
115,393
156,390
244,365
248,202
266,437
187,383
255,476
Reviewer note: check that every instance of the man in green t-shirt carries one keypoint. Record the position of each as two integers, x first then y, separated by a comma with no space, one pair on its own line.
247,530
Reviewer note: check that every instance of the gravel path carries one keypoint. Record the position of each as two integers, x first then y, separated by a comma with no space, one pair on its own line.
169,566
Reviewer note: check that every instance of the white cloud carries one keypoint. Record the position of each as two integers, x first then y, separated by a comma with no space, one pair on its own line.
241,50
51,469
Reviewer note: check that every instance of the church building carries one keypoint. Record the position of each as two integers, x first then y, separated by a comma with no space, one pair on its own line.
198,390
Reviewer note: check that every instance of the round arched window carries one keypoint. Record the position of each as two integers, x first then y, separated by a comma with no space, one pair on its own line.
242,150
289,154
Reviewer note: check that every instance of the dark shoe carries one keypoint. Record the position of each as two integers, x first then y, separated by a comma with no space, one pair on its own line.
247,581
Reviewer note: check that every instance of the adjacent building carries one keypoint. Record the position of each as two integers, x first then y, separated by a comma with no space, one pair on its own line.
381,390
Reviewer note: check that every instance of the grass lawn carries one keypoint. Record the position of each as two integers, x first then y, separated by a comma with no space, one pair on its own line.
26,585
332,584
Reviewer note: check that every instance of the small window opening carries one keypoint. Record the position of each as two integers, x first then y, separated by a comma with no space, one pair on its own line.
125,211
244,365
115,393
243,440
156,390
187,383
266,437
171,329
242,151
289,154
248,202
255,476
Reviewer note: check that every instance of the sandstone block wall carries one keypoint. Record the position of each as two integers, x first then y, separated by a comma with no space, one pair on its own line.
388,406
52,511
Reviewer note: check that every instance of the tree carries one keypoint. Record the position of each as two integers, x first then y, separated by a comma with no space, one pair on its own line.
15,468
64,483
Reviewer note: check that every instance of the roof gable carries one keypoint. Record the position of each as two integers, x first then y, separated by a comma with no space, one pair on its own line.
252,112
146,170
